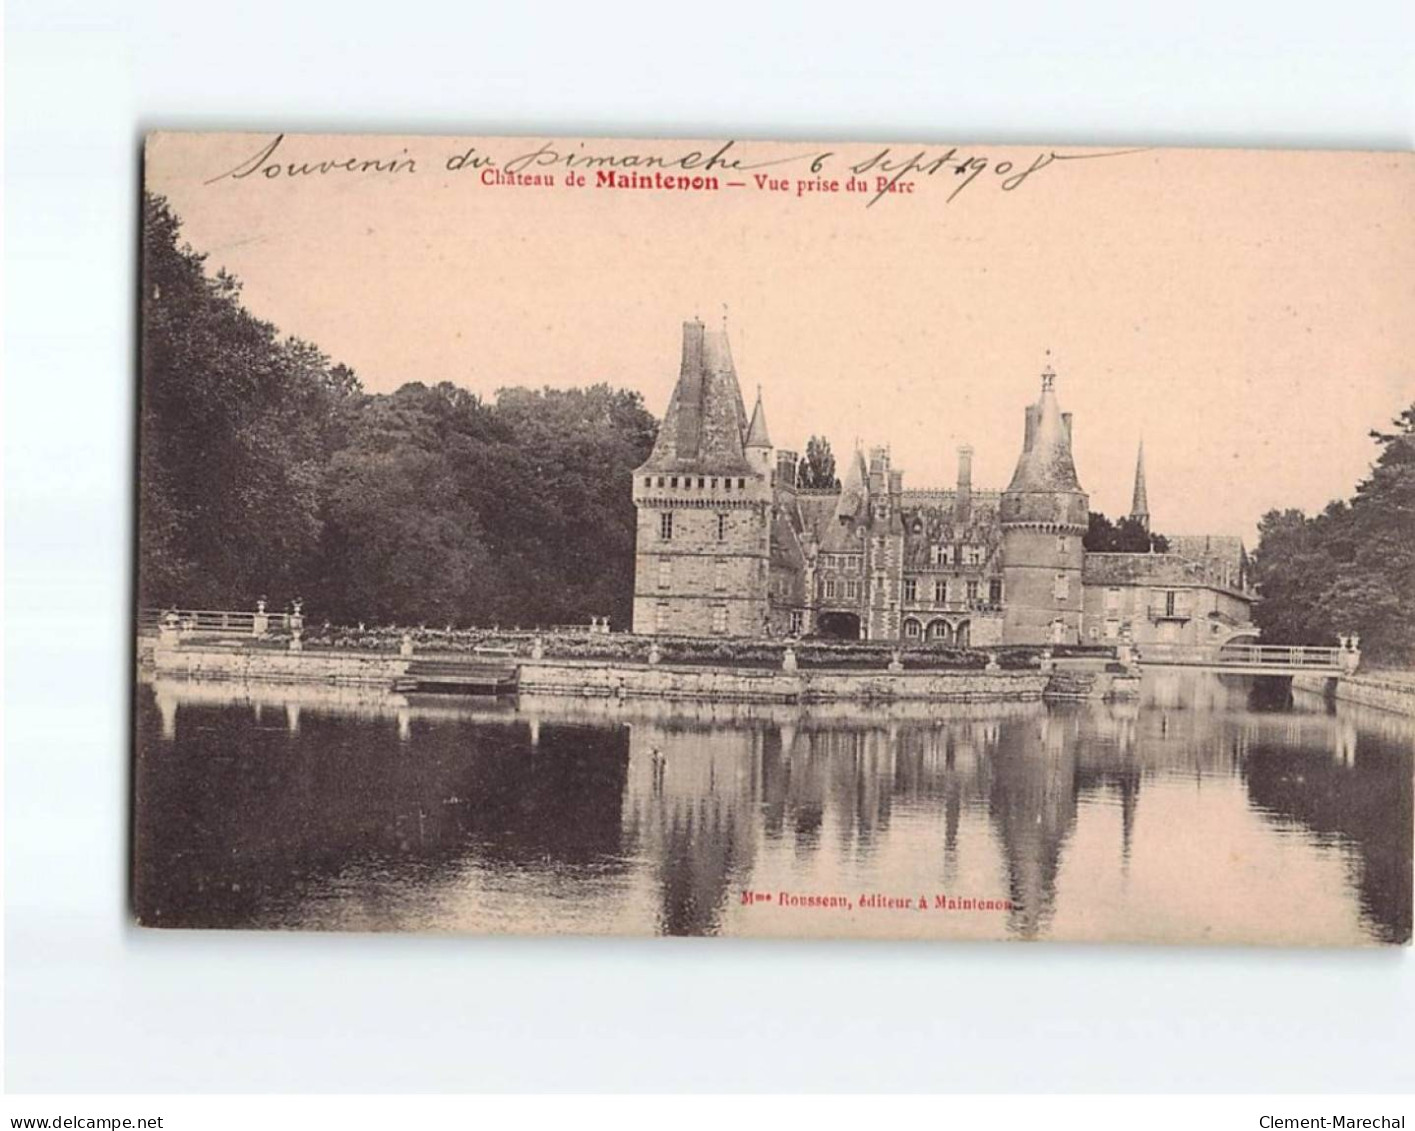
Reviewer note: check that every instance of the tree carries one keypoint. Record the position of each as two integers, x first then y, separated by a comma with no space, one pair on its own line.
265,470
1350,568
818,468
235,425
1127,536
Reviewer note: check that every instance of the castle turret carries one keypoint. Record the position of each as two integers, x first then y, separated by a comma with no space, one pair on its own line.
1140,501
704,506
757,443
1043,513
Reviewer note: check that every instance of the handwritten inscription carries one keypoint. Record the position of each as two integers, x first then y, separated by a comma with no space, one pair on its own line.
884,173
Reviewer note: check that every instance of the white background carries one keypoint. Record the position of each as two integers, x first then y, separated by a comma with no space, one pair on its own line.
94,1005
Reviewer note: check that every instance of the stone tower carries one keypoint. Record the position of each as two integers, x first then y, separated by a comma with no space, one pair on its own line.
1140,501
1043,514
704,506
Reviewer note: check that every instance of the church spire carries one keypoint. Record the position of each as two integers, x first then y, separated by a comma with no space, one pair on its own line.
1140,502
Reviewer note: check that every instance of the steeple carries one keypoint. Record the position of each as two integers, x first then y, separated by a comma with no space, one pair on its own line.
1140,502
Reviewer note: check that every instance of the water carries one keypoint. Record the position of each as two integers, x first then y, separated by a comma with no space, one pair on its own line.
1192,816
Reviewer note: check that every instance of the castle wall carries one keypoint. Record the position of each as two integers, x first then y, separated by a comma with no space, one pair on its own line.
1196,614
710,578
1042,579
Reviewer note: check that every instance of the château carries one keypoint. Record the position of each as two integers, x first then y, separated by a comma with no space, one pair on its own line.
728,544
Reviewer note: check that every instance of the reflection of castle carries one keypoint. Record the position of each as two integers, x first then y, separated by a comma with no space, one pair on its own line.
728,544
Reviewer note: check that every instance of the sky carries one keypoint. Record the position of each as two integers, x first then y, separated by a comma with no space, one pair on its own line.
1250,314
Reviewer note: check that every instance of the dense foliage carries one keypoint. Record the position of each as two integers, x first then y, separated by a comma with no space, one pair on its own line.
267,471
818,468
1127,536
1350,568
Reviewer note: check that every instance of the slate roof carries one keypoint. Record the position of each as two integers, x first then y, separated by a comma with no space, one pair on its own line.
1045,464
756,431
703,429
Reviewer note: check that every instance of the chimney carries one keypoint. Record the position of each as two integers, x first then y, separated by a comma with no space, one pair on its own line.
692,344
786,468
963,500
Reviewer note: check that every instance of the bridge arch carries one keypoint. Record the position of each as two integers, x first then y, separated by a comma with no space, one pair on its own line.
1240,636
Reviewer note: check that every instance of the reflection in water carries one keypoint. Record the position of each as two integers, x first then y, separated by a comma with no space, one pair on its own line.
1196,814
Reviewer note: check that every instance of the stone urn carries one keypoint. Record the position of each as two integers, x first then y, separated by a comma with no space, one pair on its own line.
405,646
788,660
537,648
655,656
896,661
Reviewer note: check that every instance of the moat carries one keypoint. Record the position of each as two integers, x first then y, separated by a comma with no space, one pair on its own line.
1200,813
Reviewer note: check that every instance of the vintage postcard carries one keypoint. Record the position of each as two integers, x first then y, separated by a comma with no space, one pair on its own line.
915,541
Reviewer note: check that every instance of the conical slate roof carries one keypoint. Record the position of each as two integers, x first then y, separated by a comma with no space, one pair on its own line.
1045,463
756,431
702,430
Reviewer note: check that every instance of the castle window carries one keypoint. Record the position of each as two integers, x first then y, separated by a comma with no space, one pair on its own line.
1061,544
957,555
714,483
673,482
665,526
721,527
973,555
1112,600
852,590
940,592
1112,629
701,481
719,618
741,483
665,572
660,618
995,591
830,589
727,483
796,622
911,629
911,590
972,592
719,574
660,480
1062,589
648,480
